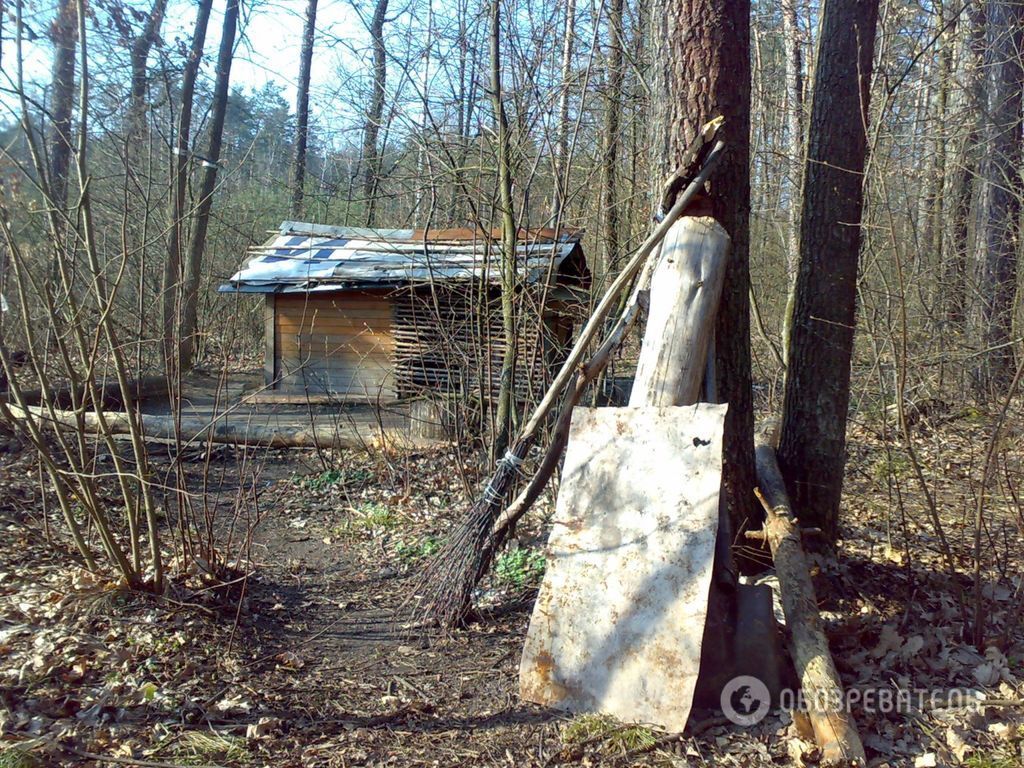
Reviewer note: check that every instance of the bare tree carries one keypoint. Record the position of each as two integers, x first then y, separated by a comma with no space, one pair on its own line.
503,416
187,340
612,119
812,452
64,34
931,232
562,128
1001,188
302,110
173,274
139,55
375,112
795,149
954,272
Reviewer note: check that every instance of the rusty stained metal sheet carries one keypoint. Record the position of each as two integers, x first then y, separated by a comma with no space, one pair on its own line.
618,622
328,256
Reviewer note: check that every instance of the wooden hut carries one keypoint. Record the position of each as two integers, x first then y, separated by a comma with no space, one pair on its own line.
378,315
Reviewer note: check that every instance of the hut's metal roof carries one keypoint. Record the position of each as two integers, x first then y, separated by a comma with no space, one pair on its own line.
311,257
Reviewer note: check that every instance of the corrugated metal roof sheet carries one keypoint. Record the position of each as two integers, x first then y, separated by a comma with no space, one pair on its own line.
304,257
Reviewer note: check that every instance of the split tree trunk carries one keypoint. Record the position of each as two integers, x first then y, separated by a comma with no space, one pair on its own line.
834,729
187,341
172,280
138,150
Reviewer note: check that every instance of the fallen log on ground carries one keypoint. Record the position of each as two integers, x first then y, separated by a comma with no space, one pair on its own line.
236,432
834,729
109,393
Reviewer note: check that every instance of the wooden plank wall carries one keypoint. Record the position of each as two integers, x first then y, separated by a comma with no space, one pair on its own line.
339,343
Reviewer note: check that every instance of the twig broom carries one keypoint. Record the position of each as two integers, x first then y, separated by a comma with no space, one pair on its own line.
445,587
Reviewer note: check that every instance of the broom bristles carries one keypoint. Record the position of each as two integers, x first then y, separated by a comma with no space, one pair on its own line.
445,586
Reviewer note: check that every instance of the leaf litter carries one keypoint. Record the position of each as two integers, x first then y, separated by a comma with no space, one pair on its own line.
310,664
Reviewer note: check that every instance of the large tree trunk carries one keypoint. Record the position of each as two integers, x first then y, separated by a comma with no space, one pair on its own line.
1001,188
302,111
954,270
612,119
371,152
173,277
935,186
812,453
187,341
702,69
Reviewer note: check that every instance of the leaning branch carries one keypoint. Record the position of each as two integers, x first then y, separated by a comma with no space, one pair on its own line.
834,729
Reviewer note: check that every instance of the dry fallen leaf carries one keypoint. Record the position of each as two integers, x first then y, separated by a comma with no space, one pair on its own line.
888,640
262,728
289,660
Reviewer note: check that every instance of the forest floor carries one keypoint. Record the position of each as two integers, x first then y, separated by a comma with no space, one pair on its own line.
300,659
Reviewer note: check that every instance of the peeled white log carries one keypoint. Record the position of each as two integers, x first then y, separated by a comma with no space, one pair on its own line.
236,432
685,290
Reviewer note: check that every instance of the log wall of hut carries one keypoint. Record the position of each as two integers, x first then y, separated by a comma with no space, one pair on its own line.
450,340
387,344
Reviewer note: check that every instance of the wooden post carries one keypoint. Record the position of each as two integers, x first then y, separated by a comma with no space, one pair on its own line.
269,342
685,289
834,729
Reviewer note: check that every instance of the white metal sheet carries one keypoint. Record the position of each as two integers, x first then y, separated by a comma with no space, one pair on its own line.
346,255
618,622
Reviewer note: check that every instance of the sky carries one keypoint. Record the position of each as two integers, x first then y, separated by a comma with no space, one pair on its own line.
267,51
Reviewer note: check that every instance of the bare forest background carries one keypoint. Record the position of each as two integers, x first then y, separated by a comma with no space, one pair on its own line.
873,288
405,137
136,175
